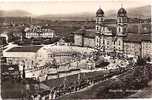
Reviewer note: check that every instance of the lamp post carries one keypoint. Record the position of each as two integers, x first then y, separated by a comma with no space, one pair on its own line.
103,40
27,90
56,66
64,82
22,94
1,55
79,78
23,72
114,49
103,44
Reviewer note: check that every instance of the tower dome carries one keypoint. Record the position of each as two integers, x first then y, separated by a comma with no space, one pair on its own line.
99,13
122,12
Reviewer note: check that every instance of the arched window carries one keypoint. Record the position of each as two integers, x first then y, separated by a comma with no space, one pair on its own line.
107,42
119,29
97,28
119,20
119,43
124,29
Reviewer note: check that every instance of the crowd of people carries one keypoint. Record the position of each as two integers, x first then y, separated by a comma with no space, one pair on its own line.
74,86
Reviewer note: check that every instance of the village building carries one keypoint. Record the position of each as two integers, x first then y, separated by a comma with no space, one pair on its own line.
132,44
63,42
84,37
39,32
146,46
28,58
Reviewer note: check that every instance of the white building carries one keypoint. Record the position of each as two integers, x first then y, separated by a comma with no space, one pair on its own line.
146,45
85,37
62,42
39,32
30,57
4,35
132,44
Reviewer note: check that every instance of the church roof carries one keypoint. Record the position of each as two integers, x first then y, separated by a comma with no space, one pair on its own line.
147,37
100,12
110,21
136,37
90,33
24,49
122,12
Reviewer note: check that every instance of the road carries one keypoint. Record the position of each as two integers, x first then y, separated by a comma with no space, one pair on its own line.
144,93
88,92
97,91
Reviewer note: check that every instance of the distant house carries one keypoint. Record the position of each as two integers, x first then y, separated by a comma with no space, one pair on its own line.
2,44
39,32
63,42
15,20
3,41
10,70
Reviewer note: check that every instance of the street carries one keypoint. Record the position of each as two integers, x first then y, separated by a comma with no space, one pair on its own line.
143,93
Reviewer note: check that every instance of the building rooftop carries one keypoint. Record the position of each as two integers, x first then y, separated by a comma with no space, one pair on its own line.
24,49
110,21
134,37
113,30
90,33
65,49
100,12
2,41
147,37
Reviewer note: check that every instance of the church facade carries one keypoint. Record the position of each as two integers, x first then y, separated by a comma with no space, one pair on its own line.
110,39
116,38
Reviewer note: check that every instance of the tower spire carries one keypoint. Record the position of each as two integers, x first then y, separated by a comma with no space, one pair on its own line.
121,5
99,6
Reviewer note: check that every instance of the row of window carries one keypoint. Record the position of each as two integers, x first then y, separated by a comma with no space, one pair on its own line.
27,62
39,33
121,20
121,29
108,42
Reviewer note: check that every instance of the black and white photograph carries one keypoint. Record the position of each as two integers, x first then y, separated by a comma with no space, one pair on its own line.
75,49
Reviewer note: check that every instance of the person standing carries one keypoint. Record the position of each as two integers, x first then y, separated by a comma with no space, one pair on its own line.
50,95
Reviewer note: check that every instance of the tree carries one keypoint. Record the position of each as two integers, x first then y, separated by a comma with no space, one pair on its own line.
141,61
148,59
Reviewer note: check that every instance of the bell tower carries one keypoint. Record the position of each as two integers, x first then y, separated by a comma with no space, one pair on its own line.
122,22
99,19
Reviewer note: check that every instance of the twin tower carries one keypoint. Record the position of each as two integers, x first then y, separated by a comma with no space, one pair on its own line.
122,21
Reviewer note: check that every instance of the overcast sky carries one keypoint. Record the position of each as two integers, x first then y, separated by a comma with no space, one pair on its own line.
68,6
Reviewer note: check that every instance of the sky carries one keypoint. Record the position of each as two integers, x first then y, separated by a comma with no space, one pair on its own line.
42,7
